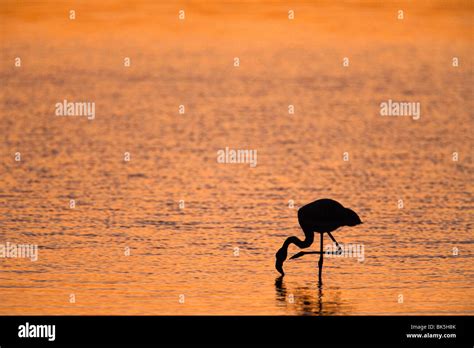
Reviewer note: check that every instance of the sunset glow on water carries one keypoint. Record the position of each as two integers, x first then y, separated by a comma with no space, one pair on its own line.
169,229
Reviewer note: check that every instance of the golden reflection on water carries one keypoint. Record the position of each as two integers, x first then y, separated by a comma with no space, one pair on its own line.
191,251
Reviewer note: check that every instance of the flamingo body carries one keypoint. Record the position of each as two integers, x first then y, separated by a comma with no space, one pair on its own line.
321,216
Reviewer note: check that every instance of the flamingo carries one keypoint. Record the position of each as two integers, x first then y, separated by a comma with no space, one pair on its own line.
322,216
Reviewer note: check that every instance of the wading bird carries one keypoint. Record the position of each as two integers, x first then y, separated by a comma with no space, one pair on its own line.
322,216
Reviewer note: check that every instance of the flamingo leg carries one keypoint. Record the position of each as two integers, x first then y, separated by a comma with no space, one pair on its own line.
302,253
320,263
338,252
339,248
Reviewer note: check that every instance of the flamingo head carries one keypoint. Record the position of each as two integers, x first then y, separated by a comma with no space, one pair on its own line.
280,258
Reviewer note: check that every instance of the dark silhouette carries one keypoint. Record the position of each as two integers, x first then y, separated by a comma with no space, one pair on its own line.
323,215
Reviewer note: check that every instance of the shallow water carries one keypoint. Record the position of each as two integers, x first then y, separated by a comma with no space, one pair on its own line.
192,251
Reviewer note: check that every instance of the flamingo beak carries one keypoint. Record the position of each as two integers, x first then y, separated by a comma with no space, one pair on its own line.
279,267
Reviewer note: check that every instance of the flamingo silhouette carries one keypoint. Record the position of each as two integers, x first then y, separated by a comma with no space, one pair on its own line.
322,216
